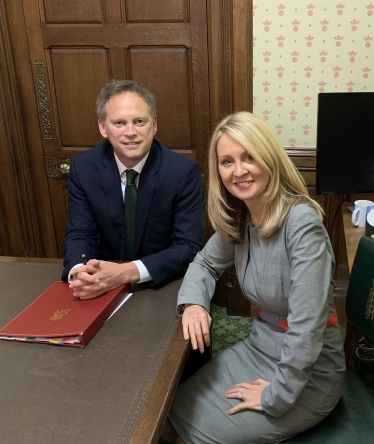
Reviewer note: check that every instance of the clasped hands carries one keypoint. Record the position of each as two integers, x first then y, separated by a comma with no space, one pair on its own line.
98,277
196,328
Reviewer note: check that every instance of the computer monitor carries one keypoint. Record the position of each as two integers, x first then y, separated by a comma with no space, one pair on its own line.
345,143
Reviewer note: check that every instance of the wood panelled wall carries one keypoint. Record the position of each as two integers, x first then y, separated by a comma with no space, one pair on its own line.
17,216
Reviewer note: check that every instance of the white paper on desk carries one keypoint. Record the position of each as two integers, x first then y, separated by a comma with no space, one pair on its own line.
126,298
56,341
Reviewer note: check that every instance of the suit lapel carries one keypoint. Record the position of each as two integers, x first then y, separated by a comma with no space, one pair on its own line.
111,184
146,189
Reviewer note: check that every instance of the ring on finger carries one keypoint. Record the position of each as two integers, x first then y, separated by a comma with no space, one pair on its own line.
240,397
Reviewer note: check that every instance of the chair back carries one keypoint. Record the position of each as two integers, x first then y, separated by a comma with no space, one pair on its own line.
359,305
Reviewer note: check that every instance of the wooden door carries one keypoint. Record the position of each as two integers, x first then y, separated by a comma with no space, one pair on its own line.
77,46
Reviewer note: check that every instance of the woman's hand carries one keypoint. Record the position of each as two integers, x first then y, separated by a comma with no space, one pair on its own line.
248,394
196,324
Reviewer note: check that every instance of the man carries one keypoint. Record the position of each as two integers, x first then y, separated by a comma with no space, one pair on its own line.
169,220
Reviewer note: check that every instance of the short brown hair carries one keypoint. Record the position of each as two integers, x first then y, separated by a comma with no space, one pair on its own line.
116,87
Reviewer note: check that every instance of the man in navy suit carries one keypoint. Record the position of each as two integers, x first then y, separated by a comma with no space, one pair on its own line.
169,215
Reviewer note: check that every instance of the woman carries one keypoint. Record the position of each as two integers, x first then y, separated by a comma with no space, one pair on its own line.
288,374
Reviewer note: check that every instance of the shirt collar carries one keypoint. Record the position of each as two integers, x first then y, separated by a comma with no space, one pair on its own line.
138,167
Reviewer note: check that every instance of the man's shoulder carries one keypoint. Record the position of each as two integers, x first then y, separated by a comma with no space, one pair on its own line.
169,156
96,153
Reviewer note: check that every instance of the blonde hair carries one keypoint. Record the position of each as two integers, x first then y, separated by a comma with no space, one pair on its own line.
286,187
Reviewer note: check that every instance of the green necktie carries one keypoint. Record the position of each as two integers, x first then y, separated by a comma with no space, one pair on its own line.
130,207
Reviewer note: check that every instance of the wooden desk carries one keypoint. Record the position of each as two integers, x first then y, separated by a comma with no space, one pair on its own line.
117,390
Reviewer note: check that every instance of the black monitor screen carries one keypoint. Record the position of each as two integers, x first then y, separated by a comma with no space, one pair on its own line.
345,143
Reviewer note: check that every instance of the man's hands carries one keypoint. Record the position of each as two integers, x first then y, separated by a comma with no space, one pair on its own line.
250,395
196,324
98,277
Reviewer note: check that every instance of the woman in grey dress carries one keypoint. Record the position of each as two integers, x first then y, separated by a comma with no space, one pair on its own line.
288,374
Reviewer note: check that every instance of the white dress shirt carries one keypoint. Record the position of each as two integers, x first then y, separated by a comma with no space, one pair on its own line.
144,273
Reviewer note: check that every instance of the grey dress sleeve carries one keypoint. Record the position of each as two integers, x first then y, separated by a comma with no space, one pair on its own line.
200,280
311,264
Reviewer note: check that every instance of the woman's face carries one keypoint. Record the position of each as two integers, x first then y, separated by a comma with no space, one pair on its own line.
242,176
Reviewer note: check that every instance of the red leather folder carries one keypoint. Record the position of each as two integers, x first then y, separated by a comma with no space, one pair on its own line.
57,317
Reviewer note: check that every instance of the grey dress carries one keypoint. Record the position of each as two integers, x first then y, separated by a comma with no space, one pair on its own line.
290,277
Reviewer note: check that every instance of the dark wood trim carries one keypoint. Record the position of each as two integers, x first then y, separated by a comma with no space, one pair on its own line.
219,50
19,228
230,57
200,85
33,260
242,54
307,153
156,408
31,216
304,152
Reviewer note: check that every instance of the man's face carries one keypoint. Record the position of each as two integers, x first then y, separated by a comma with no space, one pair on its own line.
129,127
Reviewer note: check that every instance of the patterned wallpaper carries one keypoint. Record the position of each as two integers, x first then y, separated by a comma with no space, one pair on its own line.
305,47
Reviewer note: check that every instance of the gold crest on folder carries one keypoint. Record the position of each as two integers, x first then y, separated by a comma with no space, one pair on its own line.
59,314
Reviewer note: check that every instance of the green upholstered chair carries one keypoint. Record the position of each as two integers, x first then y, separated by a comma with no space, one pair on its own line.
352,420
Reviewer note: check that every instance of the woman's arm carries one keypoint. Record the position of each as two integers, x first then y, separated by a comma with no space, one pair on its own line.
198,288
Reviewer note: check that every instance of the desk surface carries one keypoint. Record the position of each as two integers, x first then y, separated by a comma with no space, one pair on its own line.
116,390
352,235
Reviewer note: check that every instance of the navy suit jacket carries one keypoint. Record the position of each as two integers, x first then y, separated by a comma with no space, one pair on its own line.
169,211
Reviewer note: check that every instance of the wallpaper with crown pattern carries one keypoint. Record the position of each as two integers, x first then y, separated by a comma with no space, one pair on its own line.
302,48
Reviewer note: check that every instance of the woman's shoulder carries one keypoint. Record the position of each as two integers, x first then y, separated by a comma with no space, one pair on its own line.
219,240
303,210
302,215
